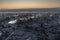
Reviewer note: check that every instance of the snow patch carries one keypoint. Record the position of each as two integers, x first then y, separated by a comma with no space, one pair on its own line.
12,22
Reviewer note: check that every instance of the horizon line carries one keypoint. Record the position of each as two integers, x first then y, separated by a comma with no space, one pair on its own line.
25,8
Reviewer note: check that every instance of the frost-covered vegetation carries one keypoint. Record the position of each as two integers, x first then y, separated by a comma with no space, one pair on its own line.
30,26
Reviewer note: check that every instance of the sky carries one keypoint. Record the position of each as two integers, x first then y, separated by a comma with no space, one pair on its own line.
17,4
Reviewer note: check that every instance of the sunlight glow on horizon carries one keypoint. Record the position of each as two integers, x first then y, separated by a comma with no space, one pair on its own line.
16,4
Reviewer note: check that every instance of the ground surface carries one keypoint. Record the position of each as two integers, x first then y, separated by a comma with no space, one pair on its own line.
45,27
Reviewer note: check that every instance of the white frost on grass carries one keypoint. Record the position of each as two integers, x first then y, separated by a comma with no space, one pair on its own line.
0,33
12,22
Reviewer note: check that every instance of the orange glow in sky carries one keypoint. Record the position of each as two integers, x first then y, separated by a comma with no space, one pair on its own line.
16,4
